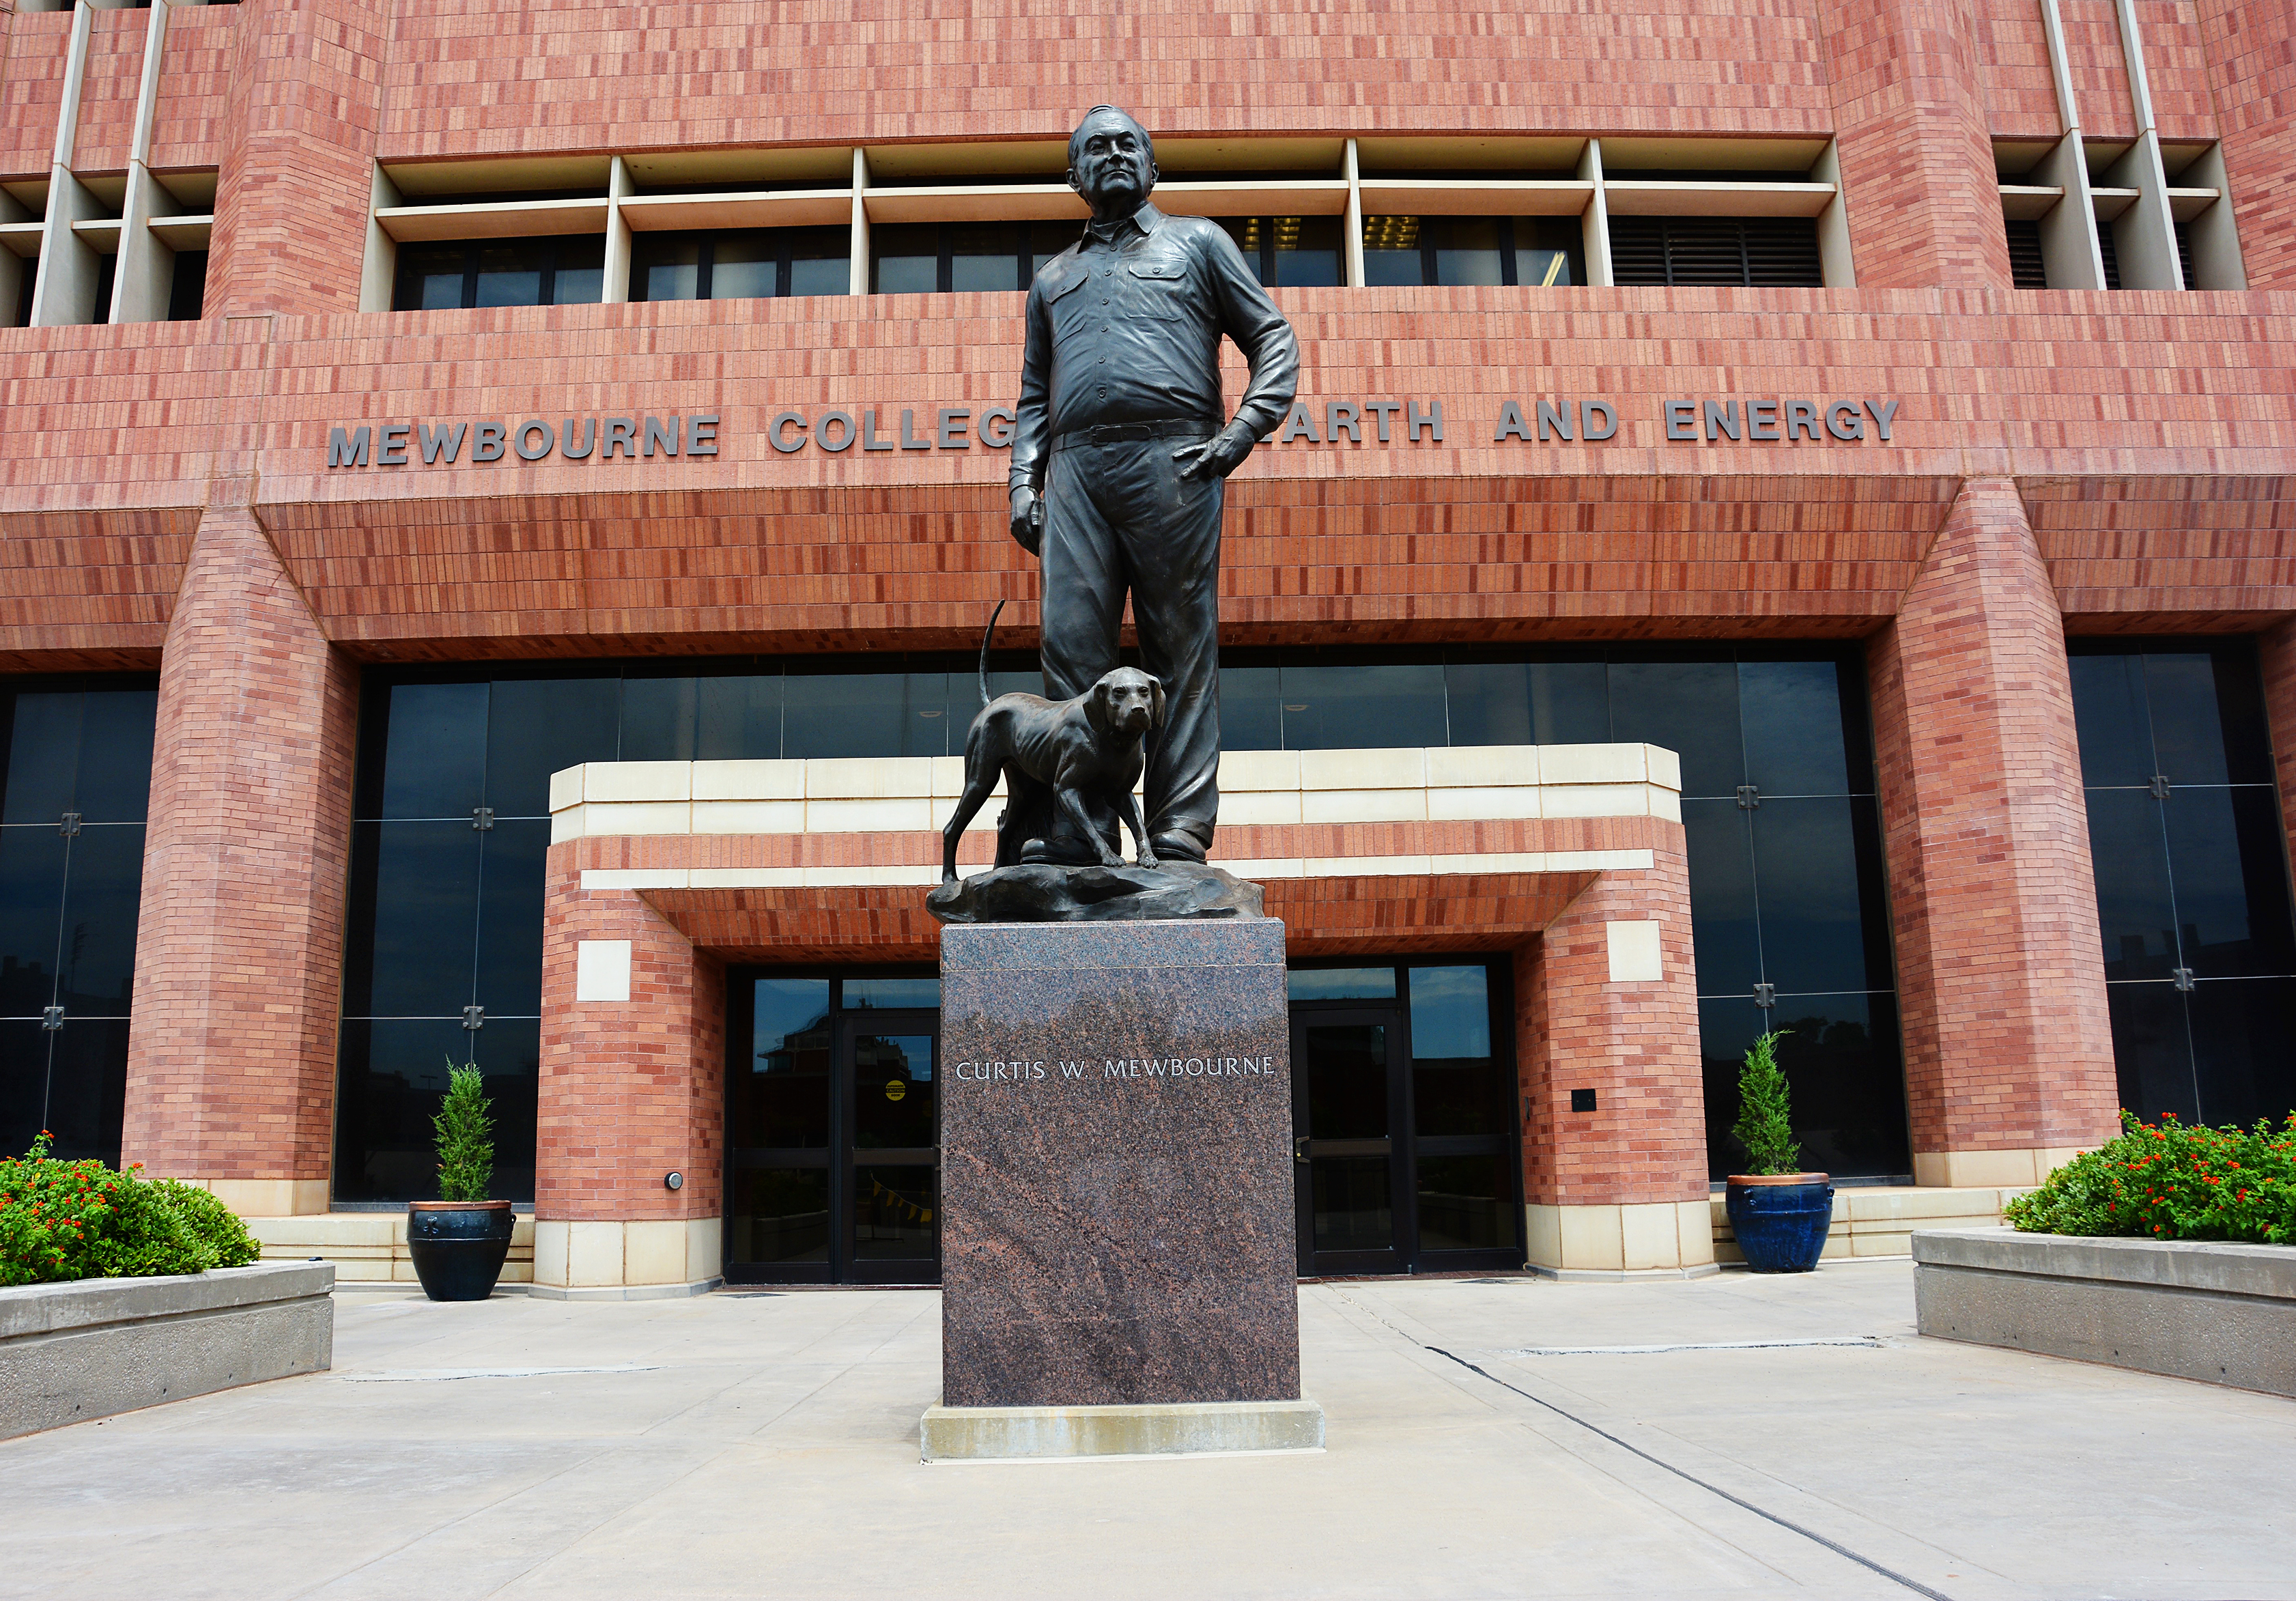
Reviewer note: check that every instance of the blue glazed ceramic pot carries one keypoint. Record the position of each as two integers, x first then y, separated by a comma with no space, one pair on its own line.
1780,1220
458,1246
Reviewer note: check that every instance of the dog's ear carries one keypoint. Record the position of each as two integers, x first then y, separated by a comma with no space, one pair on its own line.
1095,708
1155,701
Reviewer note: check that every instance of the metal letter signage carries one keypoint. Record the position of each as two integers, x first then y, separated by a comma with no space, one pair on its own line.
1557,419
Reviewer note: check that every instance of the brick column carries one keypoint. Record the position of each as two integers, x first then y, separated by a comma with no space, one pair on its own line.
304,111
231,1057
2001,977
1600,1006
1917,174
632,1089
2254,75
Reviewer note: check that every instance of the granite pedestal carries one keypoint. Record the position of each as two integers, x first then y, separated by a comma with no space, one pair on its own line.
1117,1210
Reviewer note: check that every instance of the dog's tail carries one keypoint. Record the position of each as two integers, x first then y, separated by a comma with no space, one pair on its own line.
985,634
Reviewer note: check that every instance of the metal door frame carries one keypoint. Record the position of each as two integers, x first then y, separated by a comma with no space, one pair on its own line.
1403,1210
1411,1256
836,1161
845,1028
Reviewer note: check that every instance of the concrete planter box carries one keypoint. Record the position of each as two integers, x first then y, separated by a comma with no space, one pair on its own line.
90,1349
2223,1314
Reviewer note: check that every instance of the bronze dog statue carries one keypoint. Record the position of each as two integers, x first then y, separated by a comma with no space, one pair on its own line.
1062,749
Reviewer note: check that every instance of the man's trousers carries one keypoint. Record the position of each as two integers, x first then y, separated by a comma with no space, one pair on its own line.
1120,518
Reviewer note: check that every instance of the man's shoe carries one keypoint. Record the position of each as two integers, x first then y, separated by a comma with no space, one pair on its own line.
1178,848
1061,851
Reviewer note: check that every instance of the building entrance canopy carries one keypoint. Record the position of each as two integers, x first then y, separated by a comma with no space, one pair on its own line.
1568,859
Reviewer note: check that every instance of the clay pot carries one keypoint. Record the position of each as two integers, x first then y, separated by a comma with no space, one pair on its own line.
1781,1219
458,1246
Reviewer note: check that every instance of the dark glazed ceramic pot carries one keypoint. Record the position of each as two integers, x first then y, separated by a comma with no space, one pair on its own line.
458,1246
1781,1219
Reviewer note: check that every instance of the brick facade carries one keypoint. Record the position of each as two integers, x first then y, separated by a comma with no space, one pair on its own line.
1911,126
2007,1047
632,1092
232,1052
2102,462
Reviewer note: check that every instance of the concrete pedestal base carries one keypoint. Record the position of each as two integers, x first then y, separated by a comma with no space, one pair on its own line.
1118,1212
1187,1429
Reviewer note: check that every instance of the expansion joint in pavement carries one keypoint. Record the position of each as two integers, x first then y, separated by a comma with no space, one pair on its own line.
1835,1547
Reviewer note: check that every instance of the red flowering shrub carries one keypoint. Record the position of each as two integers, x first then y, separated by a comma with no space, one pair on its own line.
81,1219
2171,1181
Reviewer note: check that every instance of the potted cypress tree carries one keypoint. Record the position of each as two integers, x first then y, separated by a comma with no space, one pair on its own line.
459,1241
1780,1216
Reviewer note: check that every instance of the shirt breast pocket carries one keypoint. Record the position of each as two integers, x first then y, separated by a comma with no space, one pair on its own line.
1154,288
1067,306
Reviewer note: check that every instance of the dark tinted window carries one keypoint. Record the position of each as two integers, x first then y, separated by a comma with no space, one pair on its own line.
741,264
567,270
963,257
1785,880
1533,252
1294,252
76,787
2188,844
187,286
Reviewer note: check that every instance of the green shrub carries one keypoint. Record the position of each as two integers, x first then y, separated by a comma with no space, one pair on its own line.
1765,1124
2173,1181
213,1224
62,1220
466,1145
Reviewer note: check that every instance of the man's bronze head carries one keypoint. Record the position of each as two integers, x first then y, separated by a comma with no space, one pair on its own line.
1111,161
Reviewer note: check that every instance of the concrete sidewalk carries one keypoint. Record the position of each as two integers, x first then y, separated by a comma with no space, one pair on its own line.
765,1444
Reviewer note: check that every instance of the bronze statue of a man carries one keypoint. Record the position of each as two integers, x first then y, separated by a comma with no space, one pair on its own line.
1123,438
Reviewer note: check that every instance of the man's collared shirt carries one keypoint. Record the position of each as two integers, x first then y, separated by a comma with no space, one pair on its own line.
1125,326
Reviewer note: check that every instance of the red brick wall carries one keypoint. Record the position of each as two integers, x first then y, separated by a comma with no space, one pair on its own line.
1635,1044
107,94
2001,978
2099,69
2176,67
2154,491
1917,173
630,1092
231,1057
188,114
38,43
470,78
297,153
2253,74
2174,555
2012,55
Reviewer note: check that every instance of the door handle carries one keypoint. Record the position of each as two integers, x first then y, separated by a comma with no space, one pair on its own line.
1300,1149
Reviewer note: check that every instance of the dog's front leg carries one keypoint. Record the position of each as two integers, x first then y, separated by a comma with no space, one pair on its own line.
1071,804
1137,821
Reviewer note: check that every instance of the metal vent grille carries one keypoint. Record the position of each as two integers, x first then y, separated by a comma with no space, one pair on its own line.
2184,254
2111,261
1742,252
2027,268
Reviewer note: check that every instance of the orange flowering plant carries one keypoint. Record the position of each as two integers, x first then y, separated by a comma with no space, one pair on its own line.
2173,1181
81,1219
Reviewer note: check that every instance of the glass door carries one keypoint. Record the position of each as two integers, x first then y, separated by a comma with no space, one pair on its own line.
1404,1120
832,1122
891,1147
1349,1107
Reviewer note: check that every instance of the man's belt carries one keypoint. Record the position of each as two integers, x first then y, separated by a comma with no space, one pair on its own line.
1111,433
